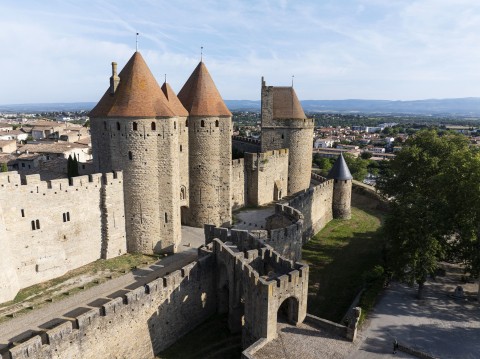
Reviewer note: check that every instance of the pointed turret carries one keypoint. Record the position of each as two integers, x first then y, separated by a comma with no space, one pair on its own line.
173,101
200,96
342,189
136,95
210,150
340,170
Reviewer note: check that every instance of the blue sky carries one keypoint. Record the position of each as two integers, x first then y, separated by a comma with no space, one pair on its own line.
60,51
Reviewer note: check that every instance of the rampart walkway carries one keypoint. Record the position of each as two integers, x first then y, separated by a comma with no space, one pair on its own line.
57,312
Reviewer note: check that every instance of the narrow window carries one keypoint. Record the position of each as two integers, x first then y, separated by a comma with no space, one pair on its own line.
202,123
216,123
33,225
130,156
68,216
186,123
118,126
23,212
37,222
64,217
180,148
23,164
166,217
283,136
135,126
174,125
154,126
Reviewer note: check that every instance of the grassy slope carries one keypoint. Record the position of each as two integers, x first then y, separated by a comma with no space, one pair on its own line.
338,256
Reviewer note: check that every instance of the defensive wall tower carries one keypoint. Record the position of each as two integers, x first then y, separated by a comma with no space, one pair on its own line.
182,114
135,128
342,189
210,150
284,125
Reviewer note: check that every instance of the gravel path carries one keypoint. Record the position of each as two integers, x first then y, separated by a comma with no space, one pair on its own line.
56,312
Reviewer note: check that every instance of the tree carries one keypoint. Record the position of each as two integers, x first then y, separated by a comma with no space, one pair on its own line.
366,155
433,186
3,167
72,166
358,166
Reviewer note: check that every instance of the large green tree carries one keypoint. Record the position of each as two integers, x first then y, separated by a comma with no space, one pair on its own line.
433,186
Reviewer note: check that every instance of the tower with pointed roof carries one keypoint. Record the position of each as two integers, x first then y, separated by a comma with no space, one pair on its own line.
136,128
342,189
210,150
284,125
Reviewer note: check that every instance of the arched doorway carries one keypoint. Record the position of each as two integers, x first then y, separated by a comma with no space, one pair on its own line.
184,215
288,311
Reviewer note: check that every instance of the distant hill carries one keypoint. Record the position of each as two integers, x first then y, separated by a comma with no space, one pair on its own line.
465,107
469,106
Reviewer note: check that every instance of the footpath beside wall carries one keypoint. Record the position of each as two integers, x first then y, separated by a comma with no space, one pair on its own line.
49,228
138,324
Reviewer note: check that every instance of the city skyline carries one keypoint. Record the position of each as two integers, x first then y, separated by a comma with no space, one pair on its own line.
368,49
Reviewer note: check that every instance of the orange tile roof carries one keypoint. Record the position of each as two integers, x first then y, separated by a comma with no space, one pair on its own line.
173,101
138,94
286,104
200,96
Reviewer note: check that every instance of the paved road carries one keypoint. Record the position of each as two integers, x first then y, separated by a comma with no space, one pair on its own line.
439,324
50,315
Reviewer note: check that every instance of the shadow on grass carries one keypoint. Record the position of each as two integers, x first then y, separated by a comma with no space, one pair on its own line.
338,256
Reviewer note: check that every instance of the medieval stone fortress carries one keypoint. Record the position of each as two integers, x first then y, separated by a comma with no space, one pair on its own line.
162,161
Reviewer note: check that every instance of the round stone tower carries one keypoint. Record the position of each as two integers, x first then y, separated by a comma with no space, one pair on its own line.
210,150
342,189
136,130
284,125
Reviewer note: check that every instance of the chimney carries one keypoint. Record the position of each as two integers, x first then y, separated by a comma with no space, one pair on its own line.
114,80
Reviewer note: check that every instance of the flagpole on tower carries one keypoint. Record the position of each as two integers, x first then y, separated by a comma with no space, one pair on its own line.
201,53
136,42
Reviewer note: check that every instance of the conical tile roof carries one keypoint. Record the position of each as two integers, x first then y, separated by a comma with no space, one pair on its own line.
286,104
340,170
173,101
137,95
200,96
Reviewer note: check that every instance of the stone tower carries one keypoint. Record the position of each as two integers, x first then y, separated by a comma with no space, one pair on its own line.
284,125
136,129
342,189
210,150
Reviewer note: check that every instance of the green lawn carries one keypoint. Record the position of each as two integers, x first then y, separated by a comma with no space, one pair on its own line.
338,256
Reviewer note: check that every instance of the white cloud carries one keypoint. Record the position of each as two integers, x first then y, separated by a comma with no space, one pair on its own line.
397,49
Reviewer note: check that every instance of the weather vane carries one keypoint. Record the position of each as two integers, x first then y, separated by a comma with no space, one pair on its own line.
292,79
201,53
136,41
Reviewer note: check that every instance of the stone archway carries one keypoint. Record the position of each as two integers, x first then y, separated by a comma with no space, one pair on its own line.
288,310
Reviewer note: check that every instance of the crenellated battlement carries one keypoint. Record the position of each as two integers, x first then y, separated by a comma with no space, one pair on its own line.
34,184
82,327
246,139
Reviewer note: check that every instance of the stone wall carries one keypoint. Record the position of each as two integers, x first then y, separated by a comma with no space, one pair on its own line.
210,170
139,324
148,152
238,183
315,204
266,176
245,144
52,227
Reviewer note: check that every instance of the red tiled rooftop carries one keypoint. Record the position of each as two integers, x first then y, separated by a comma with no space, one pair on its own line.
286,104
200,96
173,101
137,95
